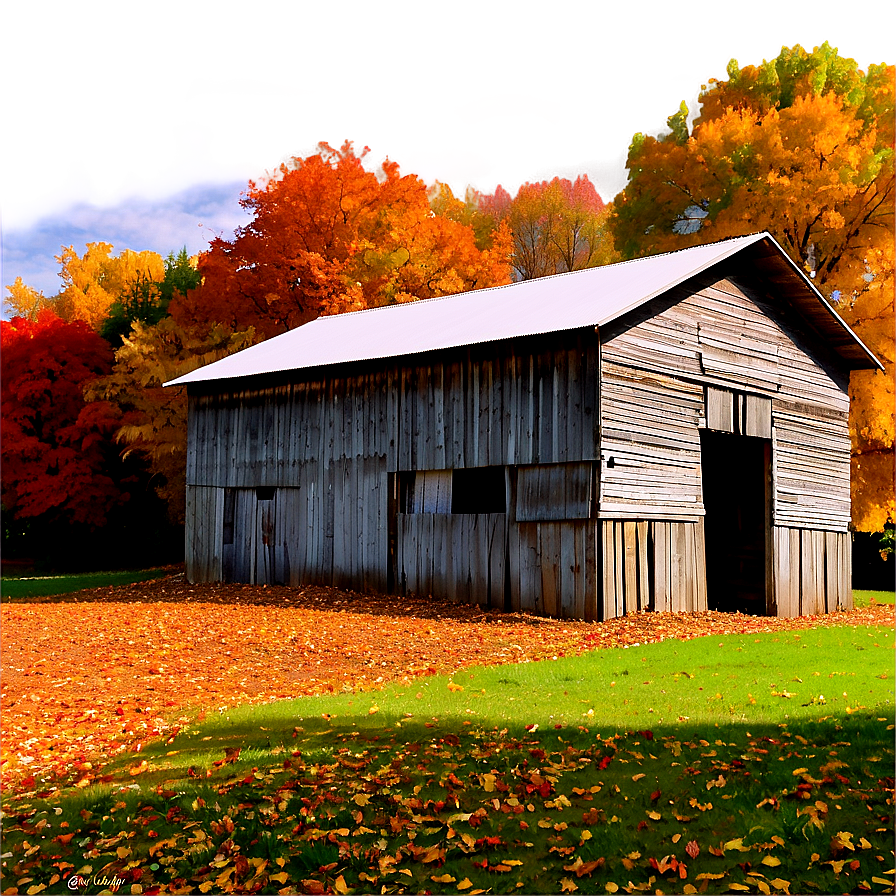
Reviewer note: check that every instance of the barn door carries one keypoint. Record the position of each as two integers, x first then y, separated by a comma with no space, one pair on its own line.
736,473
250,551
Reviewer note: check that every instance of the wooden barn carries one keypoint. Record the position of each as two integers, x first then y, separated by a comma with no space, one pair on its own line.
668,433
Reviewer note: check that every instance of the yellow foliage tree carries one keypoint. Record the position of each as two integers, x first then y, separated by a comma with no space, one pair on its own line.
94,281
25,301
801,146
154,419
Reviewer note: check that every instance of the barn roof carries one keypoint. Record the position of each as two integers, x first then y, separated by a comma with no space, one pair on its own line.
592,297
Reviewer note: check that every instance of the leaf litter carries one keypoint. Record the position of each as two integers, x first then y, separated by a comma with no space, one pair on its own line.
90,675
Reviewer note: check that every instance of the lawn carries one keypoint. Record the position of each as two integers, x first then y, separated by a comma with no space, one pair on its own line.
867,598
19,588
751,762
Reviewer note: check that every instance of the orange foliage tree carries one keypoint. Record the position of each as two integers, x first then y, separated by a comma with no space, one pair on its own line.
557,226
801,146
328,235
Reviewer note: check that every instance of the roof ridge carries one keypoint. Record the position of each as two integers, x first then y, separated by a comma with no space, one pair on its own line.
453,295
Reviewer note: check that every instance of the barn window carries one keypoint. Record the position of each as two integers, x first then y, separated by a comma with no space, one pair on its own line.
479,490
474,490
265,493
554,492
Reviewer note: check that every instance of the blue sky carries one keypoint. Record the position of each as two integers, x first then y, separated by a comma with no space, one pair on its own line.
139,124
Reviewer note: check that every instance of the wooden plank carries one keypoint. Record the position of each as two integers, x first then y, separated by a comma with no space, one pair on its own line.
759,417
845,566
630,562
608,540
498,559
513,559
783,592
548,567
660,584
796,577
719,409
554,492
579,570
831,575
702,601
619,568
676,542
566,567
593,570
819,568
193,565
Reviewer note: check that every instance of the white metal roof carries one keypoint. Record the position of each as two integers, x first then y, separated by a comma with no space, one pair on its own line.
592,297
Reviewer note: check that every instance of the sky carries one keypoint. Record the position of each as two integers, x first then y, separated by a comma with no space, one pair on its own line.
140,124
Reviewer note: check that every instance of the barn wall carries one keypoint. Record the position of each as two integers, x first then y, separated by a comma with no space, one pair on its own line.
302,481
720,358
327,449
724,357
813,573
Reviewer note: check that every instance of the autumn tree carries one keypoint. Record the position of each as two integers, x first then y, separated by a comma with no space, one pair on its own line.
94,281
66,491
145,299
327,235
557,226
25,301
153,420
800,146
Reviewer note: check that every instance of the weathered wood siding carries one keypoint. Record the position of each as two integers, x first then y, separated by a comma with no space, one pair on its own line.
459,557
723,357
653,565
813,572
554,569
326,449
300,479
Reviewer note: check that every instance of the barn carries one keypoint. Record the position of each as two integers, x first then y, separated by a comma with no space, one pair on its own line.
663,434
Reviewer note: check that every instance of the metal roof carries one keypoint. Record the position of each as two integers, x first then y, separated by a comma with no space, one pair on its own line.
593,297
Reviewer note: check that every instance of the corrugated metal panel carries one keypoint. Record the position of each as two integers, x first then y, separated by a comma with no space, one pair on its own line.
593,297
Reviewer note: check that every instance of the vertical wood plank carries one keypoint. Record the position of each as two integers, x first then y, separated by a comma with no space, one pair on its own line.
701,596
619,570
608,539
593,570
630,563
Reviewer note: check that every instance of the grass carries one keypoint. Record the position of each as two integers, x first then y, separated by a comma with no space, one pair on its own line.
14,588
866,598
751,763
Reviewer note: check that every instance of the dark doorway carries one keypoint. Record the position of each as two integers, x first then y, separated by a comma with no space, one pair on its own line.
736,495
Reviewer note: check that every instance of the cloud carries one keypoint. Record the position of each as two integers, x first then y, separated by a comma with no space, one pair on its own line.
480,97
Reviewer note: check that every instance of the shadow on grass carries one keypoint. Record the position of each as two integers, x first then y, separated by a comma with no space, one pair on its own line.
413,804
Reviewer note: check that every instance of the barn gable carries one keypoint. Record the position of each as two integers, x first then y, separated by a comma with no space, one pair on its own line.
558,465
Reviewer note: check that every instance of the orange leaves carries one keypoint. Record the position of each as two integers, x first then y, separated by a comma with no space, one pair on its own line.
556,226
810,160
247,645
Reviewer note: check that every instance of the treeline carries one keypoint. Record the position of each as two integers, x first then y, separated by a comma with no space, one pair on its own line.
93,448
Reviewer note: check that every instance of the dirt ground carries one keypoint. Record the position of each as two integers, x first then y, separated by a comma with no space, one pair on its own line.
88,675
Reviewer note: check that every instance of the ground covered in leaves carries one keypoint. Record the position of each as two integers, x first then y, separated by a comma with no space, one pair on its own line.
91,675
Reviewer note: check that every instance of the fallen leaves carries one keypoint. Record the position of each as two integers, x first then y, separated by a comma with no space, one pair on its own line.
99,672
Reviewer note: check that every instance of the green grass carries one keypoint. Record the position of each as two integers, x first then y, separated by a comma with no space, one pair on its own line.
766,754
866,598
13,588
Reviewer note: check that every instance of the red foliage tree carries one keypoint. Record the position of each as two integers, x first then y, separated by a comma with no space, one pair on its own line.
57,449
